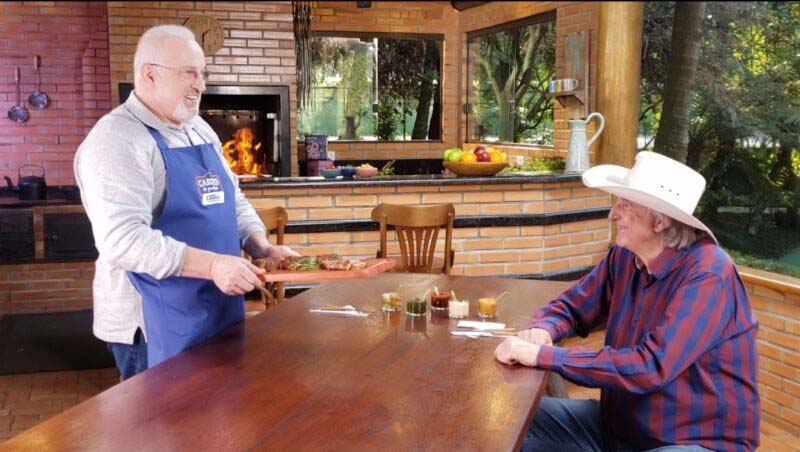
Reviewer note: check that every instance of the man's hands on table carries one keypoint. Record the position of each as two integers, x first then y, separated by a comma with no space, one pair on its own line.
523,349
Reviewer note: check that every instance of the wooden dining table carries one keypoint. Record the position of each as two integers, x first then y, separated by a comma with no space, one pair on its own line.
290,379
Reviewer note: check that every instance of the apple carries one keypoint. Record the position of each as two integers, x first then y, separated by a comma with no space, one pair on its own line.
446,154
484,157
479,149
454,155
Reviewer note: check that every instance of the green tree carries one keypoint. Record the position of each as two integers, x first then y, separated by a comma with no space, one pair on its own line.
429,84
355,90
388,114
744,119
400,70
673,130
514,67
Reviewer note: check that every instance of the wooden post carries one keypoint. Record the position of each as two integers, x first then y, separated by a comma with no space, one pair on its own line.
619,50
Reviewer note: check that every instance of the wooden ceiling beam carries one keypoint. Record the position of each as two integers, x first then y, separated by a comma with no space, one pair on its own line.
461,6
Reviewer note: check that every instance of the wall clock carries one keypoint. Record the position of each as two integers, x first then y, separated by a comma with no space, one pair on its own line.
208,32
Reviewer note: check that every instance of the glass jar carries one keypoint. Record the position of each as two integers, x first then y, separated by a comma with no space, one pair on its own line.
439,301
487,307
391,302
416,306
459,309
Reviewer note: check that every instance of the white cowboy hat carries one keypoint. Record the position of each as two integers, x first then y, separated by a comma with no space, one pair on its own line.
655,181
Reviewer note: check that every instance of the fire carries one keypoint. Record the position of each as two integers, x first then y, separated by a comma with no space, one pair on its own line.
240,152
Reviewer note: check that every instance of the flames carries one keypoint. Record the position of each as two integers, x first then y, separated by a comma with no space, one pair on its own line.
240,152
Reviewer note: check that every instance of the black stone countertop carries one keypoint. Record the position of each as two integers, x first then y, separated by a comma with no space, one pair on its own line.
56,197
390,181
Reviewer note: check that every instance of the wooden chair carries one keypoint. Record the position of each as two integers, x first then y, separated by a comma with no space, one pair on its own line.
417,230
274,220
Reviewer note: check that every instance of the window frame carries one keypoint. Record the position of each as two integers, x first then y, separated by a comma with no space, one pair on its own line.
363,34
547,16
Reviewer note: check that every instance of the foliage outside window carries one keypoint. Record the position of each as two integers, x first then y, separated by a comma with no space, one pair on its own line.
509,70
370,88
743,122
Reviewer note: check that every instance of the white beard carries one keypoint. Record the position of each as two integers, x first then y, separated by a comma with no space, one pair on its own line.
182,113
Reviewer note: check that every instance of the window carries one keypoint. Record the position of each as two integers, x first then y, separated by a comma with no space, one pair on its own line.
369,87
509,69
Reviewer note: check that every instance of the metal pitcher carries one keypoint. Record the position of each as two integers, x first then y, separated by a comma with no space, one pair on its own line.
578,153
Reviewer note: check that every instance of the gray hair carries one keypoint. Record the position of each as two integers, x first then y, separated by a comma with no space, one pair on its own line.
677,235
149,48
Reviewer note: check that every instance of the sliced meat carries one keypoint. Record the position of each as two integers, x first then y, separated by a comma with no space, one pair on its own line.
327,257
356,264
336,264
270,264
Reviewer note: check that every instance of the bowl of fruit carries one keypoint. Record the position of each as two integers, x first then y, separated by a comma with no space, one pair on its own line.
366,171
330,172
481,161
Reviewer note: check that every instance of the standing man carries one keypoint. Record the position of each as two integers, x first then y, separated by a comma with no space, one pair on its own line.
679,365
168,218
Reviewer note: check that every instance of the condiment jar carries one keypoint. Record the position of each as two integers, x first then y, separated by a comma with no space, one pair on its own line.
487,307
439,301
416,306
459,309
391,302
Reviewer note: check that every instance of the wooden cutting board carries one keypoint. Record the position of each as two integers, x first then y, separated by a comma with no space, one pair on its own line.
374,267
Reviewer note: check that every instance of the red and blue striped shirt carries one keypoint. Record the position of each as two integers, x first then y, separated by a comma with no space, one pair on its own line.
679,363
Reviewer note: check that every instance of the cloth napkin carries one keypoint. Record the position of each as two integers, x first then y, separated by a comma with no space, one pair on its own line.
480,325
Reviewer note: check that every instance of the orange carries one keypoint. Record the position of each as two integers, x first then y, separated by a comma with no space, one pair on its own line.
469,157
495,157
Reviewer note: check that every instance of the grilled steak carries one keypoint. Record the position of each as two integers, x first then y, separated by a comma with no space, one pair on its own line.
270,264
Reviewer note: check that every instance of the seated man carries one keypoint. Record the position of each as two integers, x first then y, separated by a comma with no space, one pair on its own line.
678,369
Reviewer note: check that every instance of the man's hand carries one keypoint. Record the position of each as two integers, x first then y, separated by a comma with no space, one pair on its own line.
259,247
281,251
515,350
536,336
234,275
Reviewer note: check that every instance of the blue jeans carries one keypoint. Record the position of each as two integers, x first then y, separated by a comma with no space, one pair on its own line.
567,425
131,359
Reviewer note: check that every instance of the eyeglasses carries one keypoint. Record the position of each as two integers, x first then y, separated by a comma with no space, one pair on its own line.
188,74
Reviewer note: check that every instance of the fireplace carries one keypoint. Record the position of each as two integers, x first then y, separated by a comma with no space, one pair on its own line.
252,123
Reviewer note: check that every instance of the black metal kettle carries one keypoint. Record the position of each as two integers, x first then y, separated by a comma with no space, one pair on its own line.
29,188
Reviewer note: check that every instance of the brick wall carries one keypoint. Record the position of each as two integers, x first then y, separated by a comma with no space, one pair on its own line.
570,18
776,302
401,17
258,47
479,251
72,40
46,287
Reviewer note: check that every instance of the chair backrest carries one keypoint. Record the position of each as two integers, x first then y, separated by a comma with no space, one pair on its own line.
274,220
417,230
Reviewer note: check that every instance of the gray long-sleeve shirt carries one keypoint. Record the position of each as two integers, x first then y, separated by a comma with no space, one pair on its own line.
122,178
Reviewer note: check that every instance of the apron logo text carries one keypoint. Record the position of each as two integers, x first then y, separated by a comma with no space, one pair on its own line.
209,186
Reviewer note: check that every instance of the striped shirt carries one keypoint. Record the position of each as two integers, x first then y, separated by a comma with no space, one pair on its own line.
679,363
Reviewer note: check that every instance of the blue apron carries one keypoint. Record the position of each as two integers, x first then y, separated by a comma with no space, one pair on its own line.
200,211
